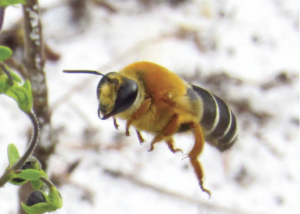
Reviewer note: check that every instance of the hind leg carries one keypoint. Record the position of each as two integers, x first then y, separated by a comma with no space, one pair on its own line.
195,152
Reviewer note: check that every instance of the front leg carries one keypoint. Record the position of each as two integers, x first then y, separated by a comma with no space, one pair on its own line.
138,114
140,137
115,123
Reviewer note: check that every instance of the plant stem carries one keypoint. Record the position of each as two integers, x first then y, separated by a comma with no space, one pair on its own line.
5,178
47,182
32,144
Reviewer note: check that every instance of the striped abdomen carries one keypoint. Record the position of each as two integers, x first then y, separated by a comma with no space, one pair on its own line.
218,121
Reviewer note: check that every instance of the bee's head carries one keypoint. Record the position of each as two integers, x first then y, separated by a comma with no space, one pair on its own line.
115,93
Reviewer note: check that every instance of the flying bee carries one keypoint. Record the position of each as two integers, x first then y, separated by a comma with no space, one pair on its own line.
153,99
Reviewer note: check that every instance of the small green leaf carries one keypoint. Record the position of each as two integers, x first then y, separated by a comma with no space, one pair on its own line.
27,85
17,181
4,83
15,77
36,165
39,208
5,52
54,197
13,154
38,203
35,203
23,95
30,174
5,3
36,185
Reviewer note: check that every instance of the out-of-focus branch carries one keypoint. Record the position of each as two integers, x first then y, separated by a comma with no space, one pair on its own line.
2,10
34,60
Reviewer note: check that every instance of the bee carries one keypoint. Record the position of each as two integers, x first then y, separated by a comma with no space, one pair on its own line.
155,100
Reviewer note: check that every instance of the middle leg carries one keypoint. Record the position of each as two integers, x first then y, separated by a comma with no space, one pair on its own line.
169,130
171,146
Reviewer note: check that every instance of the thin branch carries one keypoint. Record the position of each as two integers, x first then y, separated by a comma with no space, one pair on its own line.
47,182
202,204
32,144
5,178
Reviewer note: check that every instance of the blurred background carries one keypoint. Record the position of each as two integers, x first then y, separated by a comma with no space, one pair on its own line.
246,52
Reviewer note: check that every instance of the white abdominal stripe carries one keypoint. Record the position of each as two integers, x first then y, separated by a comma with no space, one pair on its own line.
218,120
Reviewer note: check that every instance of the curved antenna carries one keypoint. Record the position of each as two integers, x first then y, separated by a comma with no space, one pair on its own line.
83,72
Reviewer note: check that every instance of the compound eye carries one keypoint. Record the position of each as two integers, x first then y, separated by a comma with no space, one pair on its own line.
126,96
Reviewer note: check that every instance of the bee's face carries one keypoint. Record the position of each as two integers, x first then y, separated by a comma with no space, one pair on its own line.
115,94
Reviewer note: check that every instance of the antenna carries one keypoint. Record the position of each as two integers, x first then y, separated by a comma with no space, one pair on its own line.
83,72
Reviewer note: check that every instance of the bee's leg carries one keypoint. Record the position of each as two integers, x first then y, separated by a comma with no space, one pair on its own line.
171,146
170,129
138,114
141,139
195,152
115,123
156,139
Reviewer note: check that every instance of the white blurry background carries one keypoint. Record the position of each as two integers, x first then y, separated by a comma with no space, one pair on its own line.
246,52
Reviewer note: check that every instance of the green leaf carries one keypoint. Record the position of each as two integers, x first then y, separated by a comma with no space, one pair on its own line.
30,174
27,86
4,83
22,94
39,208
13,154
36,185
5,52
35,204
5,3
15,77
17,181
54,197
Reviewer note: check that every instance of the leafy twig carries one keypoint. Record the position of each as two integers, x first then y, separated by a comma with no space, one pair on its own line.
33,142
